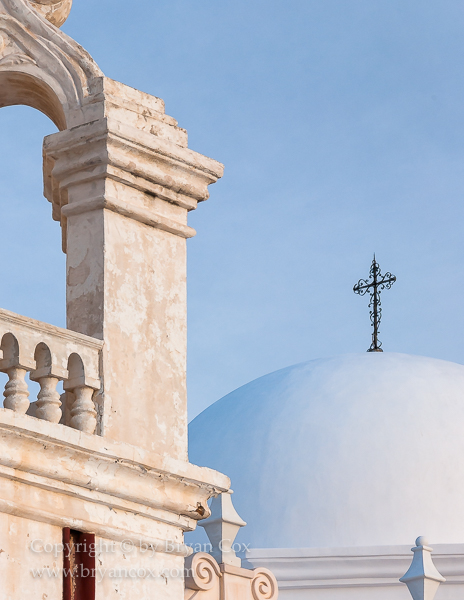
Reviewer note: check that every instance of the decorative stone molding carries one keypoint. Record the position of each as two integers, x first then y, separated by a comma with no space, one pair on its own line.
157,171
264,585
202,573
207,580
42,67
68,478
358,572
55,11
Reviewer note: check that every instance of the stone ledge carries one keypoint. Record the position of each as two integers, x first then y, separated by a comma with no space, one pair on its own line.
122,471
126,141
148,167
52,330
64,509
363,567
147,217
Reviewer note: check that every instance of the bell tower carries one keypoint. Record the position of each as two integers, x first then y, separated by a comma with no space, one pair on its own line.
98,477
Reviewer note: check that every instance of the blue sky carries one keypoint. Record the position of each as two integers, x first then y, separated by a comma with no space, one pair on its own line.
340,124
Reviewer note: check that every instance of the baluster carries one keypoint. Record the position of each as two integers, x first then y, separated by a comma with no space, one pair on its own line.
48,400
83,413
47,373
16,391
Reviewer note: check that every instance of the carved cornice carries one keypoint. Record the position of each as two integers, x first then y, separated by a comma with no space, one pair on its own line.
110,147
114,488
110,150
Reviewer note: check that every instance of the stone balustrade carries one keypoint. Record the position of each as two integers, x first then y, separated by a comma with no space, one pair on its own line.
50,355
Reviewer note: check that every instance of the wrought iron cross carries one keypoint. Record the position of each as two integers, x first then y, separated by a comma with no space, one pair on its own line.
374,286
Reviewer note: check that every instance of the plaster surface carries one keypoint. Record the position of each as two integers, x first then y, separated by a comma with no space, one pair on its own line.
20,566
126,571
52,476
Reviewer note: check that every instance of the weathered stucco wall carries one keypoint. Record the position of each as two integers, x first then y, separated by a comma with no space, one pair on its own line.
21,555
52,477
131,292
133,571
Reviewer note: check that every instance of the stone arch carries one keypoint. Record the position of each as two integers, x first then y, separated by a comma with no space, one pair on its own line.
42,356
10,348
40,66
55,11
76,367
17,88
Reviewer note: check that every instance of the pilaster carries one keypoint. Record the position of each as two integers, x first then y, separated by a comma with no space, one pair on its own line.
122,183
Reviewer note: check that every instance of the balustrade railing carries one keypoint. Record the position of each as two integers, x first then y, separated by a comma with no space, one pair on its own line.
50,355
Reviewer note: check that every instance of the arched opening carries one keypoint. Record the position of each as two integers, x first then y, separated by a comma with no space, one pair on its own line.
10,347
42,356
76,372
32,272
32,269
24,89
75,367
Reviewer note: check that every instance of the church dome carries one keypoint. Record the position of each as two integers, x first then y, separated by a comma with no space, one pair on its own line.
356,450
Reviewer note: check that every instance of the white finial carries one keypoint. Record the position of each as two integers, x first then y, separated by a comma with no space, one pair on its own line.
222,528
422,577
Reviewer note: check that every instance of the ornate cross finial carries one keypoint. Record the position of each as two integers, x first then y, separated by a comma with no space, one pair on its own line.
374,286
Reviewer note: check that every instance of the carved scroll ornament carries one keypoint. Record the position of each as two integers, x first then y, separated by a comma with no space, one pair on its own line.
55,11
264,585
205,579
40,66
202,572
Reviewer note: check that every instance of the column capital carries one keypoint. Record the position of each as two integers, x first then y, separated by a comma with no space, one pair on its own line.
131,158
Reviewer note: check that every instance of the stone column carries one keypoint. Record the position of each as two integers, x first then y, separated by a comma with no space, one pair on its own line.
121,185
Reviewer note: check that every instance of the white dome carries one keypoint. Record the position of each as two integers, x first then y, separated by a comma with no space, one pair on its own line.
356,450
